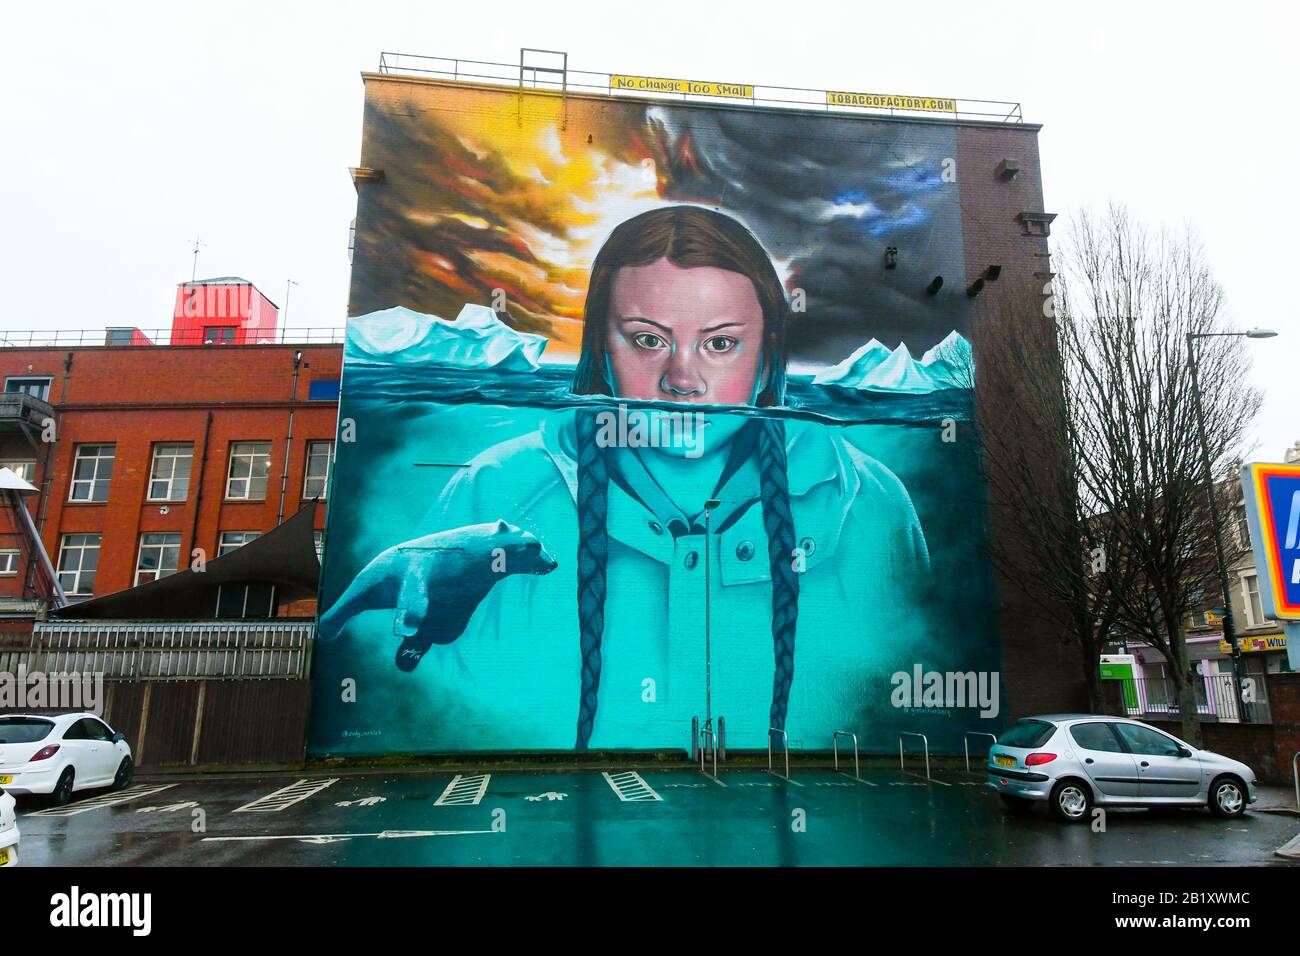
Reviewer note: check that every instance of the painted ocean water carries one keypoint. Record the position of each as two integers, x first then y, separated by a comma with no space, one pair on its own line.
548,386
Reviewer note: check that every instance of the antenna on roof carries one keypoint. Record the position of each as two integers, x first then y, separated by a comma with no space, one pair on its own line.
288,284
196,245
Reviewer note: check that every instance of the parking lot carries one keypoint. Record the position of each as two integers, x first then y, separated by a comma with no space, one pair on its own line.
619,816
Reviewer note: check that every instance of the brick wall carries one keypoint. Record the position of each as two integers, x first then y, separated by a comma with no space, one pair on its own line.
1041,673
1284,704
1268,749
134,397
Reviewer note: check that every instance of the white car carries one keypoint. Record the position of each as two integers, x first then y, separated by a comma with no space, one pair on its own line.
60,754
8,831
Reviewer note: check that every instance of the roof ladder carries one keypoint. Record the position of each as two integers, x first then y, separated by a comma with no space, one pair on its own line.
550,74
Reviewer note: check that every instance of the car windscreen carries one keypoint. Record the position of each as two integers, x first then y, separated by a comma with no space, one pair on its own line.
24,730
1027,733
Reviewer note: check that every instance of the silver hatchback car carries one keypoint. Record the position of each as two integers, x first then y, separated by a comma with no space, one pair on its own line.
1077,761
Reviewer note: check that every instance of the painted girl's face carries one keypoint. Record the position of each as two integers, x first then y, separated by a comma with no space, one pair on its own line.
684,334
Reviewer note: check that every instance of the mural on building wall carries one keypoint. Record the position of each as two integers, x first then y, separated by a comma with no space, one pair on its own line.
646,414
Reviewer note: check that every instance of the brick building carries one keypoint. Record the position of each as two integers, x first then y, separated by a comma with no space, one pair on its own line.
142,453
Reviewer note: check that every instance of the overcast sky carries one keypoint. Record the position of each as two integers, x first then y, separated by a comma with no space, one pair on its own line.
132,127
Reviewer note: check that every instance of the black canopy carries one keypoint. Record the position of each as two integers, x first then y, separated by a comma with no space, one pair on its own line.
284,557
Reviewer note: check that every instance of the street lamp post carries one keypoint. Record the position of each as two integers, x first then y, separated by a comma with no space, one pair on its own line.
708,649
1229,625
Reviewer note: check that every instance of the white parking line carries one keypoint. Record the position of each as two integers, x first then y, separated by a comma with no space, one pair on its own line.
322,838
107,800
858,779
630,787
286,796
926,779
464,791
786,779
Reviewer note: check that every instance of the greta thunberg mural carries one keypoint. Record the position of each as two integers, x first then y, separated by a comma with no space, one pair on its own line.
637,427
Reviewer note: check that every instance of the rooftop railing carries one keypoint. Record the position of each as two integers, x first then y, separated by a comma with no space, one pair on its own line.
527,77
80,338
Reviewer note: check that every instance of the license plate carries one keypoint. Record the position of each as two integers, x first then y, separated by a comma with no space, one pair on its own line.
4,856
1002,761
6,778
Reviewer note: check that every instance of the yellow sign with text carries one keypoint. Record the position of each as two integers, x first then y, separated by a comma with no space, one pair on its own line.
654,84
890,101
1253,645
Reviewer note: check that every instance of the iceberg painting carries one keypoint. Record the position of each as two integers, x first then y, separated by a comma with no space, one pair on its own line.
874,367
951,363
856,367
476,340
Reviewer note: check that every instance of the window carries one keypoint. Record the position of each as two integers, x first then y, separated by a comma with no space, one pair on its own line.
1250,594
78,558
1096,736
245,600
250,463
1243,528
159,554
231,540
91,472
95,729
218,335
36,387
320,456
1144,740
88,728
169,479
26,470
1028,734
24,730
9,561
319,538
120,337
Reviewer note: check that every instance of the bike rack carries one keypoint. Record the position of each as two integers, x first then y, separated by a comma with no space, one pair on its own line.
785,746
924,741
965,742
835,747
1295,774
707,733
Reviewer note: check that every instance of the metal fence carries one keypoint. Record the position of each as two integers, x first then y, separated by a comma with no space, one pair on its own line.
69,338
1217,698
165,650
536,76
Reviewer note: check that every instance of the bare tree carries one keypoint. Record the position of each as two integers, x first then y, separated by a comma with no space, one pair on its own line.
1044,540
1098,456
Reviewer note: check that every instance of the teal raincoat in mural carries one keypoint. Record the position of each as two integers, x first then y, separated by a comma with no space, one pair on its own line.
512,679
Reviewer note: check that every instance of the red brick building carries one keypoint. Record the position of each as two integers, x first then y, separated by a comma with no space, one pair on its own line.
157,451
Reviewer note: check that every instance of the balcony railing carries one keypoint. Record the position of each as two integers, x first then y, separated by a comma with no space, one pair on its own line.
19,408
165,650
81,338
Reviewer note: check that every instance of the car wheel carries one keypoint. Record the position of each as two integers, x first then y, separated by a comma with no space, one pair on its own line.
63,789
1016,804
125,771
1227,797
1071,801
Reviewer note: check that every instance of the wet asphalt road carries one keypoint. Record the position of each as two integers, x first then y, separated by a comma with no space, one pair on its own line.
652,818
